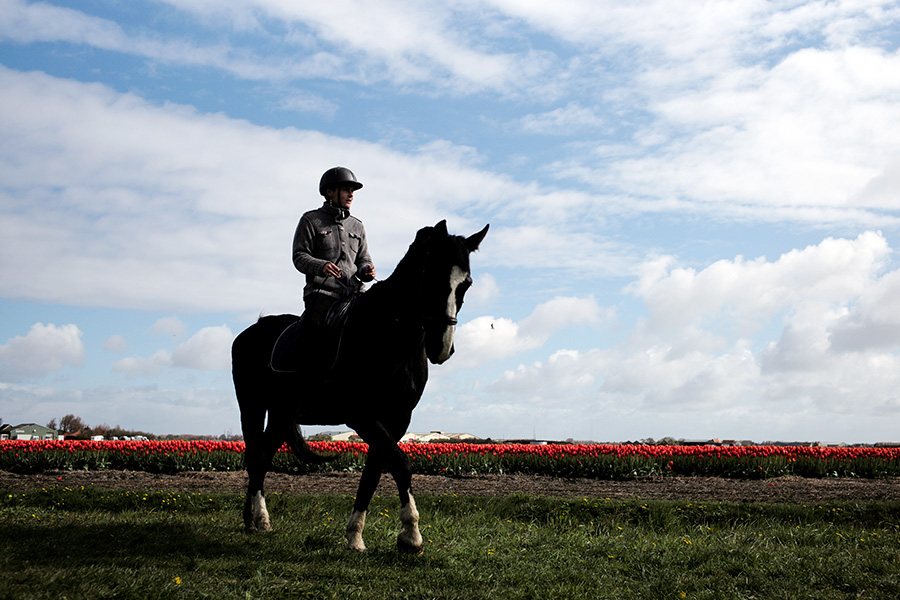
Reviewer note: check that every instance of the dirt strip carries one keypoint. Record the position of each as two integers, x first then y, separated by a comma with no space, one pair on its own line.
783,489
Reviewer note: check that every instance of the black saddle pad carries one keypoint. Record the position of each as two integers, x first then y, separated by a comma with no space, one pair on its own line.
288,352
298,348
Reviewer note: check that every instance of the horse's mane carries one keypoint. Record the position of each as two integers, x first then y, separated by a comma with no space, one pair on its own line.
411,266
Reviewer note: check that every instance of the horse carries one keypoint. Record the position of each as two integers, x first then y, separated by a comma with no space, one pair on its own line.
393,330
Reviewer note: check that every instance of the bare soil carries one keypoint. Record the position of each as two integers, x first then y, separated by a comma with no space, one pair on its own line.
783,489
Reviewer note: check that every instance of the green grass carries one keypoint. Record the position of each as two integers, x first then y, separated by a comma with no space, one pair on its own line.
87,543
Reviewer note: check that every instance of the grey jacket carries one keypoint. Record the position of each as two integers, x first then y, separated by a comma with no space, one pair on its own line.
330,234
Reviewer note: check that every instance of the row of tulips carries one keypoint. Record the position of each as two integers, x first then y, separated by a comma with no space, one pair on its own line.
599,461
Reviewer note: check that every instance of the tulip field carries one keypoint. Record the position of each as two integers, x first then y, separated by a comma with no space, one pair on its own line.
597,461
59,539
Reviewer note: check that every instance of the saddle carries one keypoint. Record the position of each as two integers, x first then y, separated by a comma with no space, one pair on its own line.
302,347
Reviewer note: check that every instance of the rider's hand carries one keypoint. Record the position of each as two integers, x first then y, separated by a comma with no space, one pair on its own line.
368,274
331,269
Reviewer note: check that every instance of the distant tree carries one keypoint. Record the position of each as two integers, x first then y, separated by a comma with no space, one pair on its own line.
101,430
70,424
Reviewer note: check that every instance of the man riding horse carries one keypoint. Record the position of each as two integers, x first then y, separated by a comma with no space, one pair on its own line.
390,335
330,249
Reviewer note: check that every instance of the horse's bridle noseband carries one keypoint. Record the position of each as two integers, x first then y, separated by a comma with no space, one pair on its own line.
442,320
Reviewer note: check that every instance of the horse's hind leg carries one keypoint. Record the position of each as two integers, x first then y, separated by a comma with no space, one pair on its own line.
256,514
256,517
260,446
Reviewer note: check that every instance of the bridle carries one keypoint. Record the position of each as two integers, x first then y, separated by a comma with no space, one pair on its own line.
446,320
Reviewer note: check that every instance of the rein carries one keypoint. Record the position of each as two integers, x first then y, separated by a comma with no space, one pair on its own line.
445,320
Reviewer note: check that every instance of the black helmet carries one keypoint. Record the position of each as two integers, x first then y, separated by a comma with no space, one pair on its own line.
337,177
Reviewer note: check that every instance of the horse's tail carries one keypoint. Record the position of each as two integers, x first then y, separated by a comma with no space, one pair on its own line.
302,450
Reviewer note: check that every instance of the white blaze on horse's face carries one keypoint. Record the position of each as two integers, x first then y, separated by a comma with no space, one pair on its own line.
457,277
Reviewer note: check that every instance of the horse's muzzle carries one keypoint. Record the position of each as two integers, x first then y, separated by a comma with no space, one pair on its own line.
439,342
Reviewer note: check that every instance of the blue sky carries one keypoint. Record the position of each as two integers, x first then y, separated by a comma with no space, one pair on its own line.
693,206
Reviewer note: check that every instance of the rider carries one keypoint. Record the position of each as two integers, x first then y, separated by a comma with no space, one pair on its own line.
330,247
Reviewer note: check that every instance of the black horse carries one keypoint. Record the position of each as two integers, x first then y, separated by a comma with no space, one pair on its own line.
378,378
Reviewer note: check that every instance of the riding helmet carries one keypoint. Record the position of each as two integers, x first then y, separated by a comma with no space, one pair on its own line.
337,177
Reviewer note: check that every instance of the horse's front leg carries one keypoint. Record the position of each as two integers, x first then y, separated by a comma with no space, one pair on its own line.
409,539
367,484
384,450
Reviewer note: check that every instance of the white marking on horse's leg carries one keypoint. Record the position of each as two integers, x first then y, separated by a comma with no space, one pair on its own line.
409,540
260,516
457,276
355,525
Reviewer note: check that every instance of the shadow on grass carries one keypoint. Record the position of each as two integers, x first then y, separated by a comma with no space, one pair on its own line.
148,545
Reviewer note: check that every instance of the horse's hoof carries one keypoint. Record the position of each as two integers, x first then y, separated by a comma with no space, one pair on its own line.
405,547
257,527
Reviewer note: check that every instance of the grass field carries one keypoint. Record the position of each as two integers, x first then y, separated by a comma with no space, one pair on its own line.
86,543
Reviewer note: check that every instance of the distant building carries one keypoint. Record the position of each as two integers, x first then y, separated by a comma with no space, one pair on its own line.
436,436
431,436
32,431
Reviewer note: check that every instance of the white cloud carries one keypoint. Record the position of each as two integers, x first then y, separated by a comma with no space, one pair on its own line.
564,374
192,213
747,110
361,42
209,349
812,132
301,101
44,349
561,312
873,322
483,290
572,118
489,338
35,22
26,22
141,407
548,244
169,326
818,327
139,366
751,291
115,343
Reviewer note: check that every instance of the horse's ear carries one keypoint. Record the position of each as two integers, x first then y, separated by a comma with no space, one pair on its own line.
441,228
474,240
